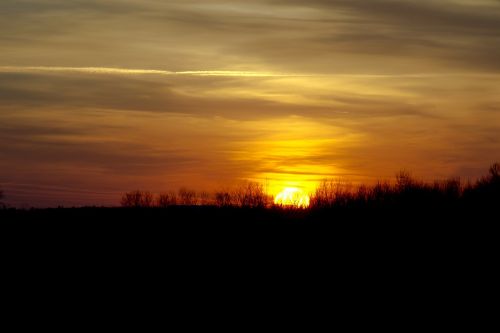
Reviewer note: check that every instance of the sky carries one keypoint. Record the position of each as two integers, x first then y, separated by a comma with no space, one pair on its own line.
102,97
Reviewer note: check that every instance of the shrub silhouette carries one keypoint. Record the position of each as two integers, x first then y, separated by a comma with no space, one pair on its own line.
187,197
405,192
252,195
381,192
205,198
486,191
451,188
493,178
446,192
223,199
2,205
333,192
405,182
137,199
166,200
495,172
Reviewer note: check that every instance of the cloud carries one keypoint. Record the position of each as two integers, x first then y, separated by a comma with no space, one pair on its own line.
239,97
126,71
137,93
297,36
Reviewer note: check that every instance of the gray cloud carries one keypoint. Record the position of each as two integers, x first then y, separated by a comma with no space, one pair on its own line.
347,36
188,95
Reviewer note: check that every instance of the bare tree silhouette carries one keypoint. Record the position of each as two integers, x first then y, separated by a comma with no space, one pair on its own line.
137,199
166,199
332,192
450,188
251,194
487,188
223,199
205,199
404,181
495,173
187,197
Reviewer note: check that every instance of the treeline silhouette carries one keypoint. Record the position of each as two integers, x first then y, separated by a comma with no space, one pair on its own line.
404,213
406,219
251,194
404,192
412,223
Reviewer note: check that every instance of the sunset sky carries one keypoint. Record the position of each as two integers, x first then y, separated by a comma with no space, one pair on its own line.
99,97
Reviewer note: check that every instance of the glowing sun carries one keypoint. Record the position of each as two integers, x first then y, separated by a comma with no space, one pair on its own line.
292,197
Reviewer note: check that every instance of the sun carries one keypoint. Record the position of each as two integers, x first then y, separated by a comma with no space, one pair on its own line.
292,197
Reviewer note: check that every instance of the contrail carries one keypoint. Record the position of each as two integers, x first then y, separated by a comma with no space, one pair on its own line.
223,73
126,71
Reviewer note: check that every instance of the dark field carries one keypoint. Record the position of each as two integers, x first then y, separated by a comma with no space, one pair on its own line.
339,224
185,250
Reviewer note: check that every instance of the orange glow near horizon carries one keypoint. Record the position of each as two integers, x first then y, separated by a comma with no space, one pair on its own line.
289,154
292,197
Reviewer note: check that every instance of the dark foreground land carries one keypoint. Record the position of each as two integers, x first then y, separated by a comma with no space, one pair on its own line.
414,252
406,211
210,223
436,250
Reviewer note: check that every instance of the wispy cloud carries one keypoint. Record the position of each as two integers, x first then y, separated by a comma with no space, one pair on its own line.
127,71
223,73
296,36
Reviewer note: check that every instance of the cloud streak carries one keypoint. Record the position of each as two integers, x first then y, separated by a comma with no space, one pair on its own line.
126,71
222,73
